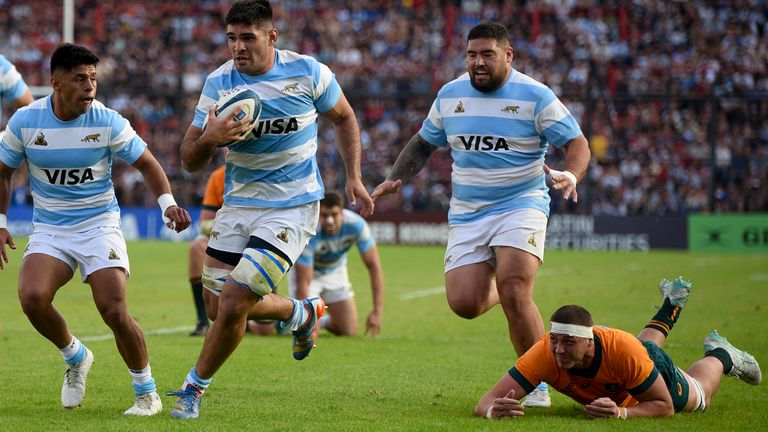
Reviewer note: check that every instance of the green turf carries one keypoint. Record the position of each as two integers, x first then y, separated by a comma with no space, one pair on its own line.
425,372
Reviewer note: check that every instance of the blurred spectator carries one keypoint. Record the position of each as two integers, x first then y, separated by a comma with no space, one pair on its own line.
644,79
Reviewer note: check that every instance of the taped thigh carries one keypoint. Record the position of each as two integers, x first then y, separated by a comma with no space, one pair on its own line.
214,279
259,270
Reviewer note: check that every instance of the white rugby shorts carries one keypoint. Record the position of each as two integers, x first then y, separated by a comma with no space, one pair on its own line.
91,250
333,287
474,242
288,229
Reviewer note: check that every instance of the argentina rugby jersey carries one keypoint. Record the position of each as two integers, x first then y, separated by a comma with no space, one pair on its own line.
70,162
326,253
276,166
498,141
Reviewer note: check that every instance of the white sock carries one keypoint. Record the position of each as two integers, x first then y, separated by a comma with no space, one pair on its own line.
72,348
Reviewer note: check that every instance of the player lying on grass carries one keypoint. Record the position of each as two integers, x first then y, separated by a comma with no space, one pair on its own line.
615,374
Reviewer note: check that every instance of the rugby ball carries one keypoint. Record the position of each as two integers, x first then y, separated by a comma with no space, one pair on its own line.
242,100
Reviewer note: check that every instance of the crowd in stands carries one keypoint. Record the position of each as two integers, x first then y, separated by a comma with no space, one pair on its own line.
672,96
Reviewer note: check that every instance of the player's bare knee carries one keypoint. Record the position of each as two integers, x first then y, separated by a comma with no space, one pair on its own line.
33,303
466,309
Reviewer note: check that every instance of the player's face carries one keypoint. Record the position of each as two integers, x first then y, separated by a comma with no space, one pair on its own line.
569,351
330,219
488,63
75,90
252,47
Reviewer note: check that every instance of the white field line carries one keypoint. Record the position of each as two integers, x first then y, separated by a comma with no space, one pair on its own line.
160,331
422,293
441,289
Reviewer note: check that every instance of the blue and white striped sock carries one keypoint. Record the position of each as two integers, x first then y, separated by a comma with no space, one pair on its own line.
74,352
142,380
195,381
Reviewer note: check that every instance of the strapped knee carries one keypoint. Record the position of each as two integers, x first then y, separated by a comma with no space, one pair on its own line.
214,279
259,270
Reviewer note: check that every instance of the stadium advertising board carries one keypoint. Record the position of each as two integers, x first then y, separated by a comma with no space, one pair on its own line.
137,223
729,233
579,232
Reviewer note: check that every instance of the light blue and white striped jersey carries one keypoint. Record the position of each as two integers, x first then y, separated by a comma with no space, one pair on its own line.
277,167
498,141
12,86
326,253
70,163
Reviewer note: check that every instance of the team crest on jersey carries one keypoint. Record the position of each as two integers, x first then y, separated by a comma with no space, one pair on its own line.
91,138
40,140
612,387
532,240
283,236
459,108
215,235
511,109
291,88
113,255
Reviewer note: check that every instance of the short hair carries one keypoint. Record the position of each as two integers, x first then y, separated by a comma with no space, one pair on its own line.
68,56
489,30
572,314
249,12
332,199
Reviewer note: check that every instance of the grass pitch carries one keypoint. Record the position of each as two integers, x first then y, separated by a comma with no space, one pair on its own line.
425,371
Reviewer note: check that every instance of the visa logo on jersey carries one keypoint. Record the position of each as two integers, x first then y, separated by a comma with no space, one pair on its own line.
276,126
70,177
483,143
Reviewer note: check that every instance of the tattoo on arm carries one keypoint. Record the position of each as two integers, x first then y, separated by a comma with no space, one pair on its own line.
412,159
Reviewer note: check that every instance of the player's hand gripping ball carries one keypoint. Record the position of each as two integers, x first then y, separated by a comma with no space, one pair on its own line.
242,100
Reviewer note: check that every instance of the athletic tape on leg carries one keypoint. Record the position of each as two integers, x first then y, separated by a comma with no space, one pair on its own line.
214,279
260,270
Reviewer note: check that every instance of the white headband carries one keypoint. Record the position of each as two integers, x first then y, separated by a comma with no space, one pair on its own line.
571,330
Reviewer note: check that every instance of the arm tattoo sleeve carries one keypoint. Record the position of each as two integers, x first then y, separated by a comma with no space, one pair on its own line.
412,159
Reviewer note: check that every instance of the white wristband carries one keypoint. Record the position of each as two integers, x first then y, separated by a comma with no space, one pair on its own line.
620,415
488,414
3,221
165,200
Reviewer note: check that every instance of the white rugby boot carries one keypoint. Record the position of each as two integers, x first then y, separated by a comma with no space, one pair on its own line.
745,367
73,389
147,404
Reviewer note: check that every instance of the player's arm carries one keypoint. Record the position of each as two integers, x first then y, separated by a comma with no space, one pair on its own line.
304,275
654,402
410,161
23,100
373,263
342,116
198,146
158,183
503,400
6,173
577,157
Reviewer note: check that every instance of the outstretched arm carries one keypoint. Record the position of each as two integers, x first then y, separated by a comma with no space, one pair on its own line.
158,183
348,140
373,263
503,400
410,161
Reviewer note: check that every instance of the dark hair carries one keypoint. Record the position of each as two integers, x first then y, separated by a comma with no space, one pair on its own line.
332,199
489,30
572,314
68,56
249,12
